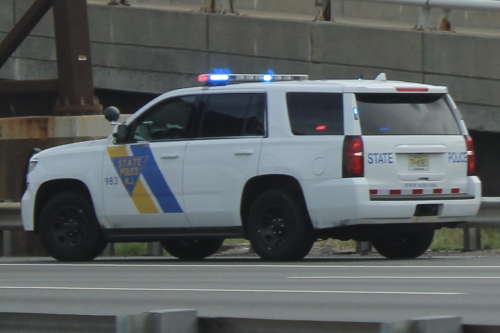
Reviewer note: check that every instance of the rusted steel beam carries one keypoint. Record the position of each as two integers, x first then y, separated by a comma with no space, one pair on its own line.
74,66
22,28
28,86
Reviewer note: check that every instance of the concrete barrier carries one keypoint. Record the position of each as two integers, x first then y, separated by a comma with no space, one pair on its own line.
155,46
186,321
55,323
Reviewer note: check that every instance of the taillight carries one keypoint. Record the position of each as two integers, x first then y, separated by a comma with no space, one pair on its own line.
353,162
471,157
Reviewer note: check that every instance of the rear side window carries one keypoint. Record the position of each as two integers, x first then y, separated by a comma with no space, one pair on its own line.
316,113
233,115
406,114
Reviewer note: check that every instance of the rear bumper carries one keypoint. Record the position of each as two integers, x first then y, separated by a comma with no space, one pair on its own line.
343,202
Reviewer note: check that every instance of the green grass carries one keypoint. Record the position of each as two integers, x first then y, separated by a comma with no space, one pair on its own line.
448,239
452,239
131,249
490,238
338,244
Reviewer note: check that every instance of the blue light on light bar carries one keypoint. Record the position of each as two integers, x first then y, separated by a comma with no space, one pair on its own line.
219,77
267,78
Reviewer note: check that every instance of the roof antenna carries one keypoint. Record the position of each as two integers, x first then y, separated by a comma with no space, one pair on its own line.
381,77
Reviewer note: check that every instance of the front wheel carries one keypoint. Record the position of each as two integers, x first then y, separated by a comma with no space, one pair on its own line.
192,249
279,228
404,245
69,229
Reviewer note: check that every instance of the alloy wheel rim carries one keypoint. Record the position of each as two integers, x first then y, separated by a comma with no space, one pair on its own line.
274,227
68,226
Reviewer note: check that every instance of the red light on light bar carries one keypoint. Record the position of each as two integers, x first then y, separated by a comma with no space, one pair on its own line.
321,128
412,89
437,191
373,192
455,190
395,192
203,78
418,191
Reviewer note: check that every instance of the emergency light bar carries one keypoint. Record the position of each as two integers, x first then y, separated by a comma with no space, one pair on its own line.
221,79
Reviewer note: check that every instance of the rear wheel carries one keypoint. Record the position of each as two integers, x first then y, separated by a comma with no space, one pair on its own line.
192,249
69,229
279,228
404,245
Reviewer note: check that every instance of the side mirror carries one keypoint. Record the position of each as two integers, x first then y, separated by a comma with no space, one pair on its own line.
121,134
112,114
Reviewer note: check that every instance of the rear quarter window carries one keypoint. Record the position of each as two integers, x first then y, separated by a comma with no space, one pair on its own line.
406,114
315,113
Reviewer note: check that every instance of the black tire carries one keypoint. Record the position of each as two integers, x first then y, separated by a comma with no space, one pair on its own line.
279,227
404,245
69,229
192,249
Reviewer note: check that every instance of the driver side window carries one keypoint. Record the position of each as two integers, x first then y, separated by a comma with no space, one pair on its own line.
168,120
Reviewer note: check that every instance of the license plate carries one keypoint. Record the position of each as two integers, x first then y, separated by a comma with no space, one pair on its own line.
418,162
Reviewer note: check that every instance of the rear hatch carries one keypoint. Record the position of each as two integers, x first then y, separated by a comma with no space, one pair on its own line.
413,146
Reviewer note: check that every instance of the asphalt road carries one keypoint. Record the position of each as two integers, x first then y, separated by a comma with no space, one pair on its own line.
334,289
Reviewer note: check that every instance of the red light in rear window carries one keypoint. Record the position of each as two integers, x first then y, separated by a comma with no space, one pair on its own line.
412,89
321,128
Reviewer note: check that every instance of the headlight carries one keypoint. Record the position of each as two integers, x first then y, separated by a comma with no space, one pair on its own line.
32,165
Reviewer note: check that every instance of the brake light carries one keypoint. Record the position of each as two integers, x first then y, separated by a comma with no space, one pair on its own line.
471,157
353,161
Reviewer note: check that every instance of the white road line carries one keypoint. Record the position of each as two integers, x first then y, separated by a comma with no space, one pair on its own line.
262,291
217,266
398,277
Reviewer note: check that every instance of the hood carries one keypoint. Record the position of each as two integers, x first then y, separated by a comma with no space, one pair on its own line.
71,146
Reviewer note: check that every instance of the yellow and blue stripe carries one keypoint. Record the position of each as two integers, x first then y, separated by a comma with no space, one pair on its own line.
142,162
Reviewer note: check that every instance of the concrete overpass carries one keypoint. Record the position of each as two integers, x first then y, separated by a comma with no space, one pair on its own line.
157,45
154,46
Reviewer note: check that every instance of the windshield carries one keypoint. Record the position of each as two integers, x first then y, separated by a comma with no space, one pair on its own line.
406,114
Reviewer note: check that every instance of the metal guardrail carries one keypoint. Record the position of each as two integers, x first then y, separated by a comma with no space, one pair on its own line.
487,217
187,321
424,20
10,216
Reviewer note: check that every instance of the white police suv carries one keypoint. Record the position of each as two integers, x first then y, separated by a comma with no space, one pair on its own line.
282,162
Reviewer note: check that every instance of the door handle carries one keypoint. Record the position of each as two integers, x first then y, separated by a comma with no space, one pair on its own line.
170,157
243,152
